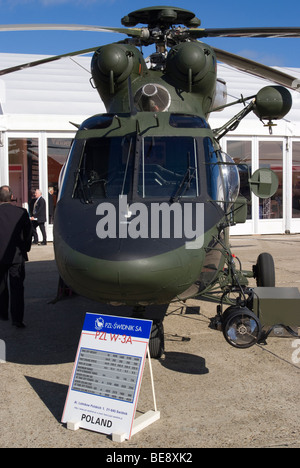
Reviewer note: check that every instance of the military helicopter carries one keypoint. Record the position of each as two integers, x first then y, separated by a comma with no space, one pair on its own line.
147,196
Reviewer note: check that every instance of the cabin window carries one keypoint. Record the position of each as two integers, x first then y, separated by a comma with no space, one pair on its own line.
168,168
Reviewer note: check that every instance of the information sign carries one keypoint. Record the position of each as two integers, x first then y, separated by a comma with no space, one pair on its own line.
107,374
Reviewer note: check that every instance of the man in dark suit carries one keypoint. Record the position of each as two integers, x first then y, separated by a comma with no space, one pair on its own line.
15,242
38,217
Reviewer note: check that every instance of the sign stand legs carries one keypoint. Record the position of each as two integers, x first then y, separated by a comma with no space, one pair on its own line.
144,420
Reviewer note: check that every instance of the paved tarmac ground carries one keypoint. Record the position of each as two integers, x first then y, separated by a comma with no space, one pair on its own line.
209,393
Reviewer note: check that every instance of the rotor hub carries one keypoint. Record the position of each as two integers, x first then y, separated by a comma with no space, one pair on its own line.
161,16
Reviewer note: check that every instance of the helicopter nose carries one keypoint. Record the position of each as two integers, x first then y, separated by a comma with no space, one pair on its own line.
124,267
154,280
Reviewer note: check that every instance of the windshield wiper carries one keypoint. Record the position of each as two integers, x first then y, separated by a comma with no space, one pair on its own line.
185,184
83,186
126,168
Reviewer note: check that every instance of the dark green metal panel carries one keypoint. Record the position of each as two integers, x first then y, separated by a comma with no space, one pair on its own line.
272,102
157,279
277,306
264,183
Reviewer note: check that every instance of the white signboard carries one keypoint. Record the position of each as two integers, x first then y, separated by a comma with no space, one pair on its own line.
107,374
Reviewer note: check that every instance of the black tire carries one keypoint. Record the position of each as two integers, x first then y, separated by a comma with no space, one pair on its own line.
264,270
157,340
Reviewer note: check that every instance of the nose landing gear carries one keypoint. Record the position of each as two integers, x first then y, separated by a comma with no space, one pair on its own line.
157,340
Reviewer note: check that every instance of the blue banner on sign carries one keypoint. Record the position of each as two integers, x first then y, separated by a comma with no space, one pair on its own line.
118,325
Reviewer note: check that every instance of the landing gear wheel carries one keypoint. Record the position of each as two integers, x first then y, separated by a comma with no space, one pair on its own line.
157,340
264,270
241,327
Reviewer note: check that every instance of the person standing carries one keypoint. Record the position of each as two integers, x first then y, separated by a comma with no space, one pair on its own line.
38,217
15,243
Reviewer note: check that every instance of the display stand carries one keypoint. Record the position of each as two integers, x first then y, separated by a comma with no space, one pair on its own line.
107,376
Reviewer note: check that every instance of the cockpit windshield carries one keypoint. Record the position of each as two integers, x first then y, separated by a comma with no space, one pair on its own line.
165,167
155,167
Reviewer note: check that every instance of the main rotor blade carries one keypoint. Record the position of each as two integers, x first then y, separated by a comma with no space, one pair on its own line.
245,32
69,27
257,69
6,71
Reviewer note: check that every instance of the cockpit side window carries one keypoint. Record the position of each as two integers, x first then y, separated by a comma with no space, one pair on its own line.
215,187
223,181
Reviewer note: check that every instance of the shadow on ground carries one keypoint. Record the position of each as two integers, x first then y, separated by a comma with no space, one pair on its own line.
53,330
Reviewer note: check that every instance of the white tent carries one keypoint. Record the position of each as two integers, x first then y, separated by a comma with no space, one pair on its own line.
63,89
48,96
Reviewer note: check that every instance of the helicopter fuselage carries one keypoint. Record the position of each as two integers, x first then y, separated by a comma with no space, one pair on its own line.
147,197
141,209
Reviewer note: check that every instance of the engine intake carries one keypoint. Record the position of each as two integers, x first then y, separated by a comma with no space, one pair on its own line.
190,62
112,64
